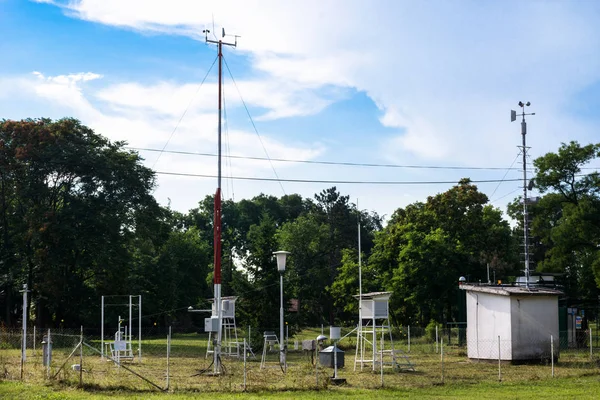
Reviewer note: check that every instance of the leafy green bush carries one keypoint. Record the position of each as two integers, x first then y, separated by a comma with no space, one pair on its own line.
430,329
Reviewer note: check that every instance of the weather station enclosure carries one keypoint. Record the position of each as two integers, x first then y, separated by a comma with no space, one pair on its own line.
373,326
375,305
121,348
230,343
511,323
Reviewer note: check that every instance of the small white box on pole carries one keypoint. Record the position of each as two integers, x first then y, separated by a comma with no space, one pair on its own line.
211,324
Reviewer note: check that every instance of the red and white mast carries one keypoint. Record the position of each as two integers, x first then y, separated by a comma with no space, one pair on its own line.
217,210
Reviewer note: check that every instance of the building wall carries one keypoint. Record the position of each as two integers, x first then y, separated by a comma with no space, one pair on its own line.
533,320
488,316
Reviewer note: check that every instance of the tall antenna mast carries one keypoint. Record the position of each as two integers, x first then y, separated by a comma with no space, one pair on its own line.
524,148
217,208
359,274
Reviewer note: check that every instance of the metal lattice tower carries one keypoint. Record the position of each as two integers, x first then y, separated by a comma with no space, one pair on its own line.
526,186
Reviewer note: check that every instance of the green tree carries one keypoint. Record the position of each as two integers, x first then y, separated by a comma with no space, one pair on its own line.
306,278
566,220
71,203
426,247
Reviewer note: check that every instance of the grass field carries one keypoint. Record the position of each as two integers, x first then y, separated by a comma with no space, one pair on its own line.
576,376
587,387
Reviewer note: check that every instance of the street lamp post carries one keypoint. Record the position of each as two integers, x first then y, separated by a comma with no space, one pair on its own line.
281,259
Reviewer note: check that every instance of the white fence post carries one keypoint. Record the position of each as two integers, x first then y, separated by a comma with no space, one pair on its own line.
244,364
499,368
317,365
552,353
442,357
591,344
168,358
409,338
436,338
81,356
48,354
381,356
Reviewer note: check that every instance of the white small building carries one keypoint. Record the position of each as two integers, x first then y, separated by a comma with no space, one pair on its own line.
516,321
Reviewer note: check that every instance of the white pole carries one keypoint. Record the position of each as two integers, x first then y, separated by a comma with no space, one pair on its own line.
102,329
33,354
499,370
335,360
317,365
436,338
48,354
281,338
130,321
591,344
81,356
362,347
244,364
140,329
118,352
374,339
381,359
442,357
359,333
552,353
24,341
409,338
168,355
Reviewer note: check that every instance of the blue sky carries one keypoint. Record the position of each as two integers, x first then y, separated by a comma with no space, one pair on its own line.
395,82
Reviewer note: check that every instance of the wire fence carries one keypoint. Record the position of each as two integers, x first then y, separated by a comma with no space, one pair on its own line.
177,360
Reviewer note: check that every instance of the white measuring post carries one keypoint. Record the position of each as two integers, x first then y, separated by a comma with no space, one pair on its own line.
442,357
381,359
499,368
591,344
436,338
168,356
102,328
140,329
130,323
244,364
24,340
409,338
552,353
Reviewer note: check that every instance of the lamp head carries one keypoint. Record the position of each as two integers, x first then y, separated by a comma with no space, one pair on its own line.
281,259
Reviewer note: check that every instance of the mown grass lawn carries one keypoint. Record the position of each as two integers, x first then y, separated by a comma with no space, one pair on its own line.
587,387
576,375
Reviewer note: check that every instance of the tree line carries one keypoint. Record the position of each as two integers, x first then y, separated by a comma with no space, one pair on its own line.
78,221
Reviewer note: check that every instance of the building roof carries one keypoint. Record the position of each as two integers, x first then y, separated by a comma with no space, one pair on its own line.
375,296
511,290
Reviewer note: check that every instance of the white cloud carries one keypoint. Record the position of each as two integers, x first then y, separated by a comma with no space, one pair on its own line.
443,74
446,74
147,120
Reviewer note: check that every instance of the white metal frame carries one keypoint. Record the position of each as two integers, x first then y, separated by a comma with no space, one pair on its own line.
116,348
373,320
230,344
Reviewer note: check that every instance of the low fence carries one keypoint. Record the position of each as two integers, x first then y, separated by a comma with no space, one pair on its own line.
176,360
